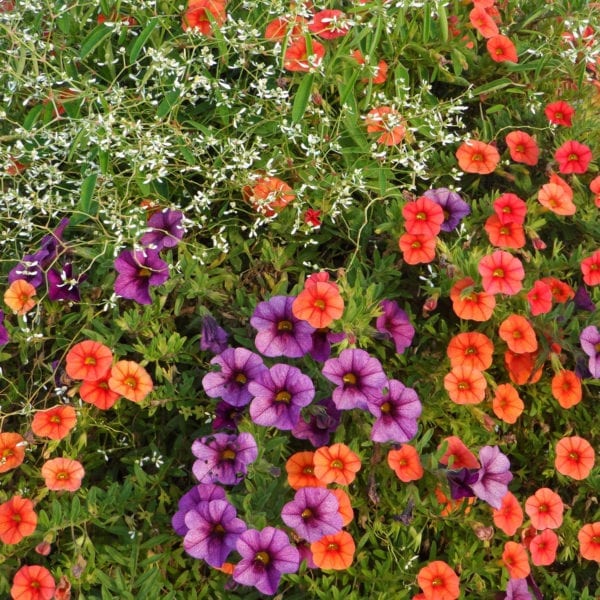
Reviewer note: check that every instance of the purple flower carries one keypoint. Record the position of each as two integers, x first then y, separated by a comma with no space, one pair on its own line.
460,483
138,270
166,230
212,337
454,207
313,513
397,413
279,395
582,299
62,285
494,476
266,556
223,458
227,416
239,367
321,343
359,378
213,530
323,420
4,337
191,500
394,323
517,590
590,343
280,333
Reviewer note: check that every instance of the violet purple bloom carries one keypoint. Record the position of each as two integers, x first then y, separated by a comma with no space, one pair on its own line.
280,333
279,395
494,476
590,344
223,458
517,590
583,300
266,556
4,337
394,323
212,336
321,343
313,513
62,285
166,230
358,376
397,413
227,416
454,207
460,483
323,420
191,500
213,530
239,367
138,270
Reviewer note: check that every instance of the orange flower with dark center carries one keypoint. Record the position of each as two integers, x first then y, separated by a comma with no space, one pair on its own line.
19,296
336,464
515,560
406,463
32,582
504,235
472,349
465,385
319,304
566,388
12,450
575,457
17,520
98,393
545,509
589,541
509,517
543,548
507,404
417,249
388,122
88,360
501,49
334,552
469,304
477,157
54,423
300,469
130,380
439,581
522,147
518,333
62,474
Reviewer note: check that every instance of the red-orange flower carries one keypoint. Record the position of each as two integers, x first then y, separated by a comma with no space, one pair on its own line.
300,468
319,304
472,349
32,582
507,404
98,393
561,291
501,273
559,113
522,147
595,189
200,15
566,388
465,385
19,296
299,58
483,22
539,298
545,509
330,24
509,517
518,333
590,267
54,423
17,520
477,157
345,506
12,450
457,455
334,552
439,581
522,367
501,49
130,380
504,235
377,74
555,198
406,463
510,208
336,464
542,548
575,457
277,29
471,305
88,360
388,122
269,195
62,474
573,157
589,541
515,560
448,505
423,217
417,249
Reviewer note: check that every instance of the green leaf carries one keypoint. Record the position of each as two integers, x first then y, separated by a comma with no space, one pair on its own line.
137,46
168,102
87,206
493,86
302,97
94,39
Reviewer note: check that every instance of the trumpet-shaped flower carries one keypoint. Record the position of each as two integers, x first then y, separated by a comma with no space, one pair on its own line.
394,323
33,582
62,474
501,273
17,520
494,476
335,552
478,157
137,271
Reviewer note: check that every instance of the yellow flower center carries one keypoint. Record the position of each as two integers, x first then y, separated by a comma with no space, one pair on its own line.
285,326
349,378
131,382
240,378
386,407
143,272
320,304
263,558
306,513
283,396
337,464
228,454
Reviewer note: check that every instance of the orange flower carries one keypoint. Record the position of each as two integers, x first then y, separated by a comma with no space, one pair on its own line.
472,349
545,509
518,333
521,367
345,509
17,520
501,49
566,388
19,296
377,74
509,517
510,208
423,217
98,393
483,22
62,474
278,28
461,456
543,548
417,249
465,385
575,457
336,463
12,451
334,552
522,147
515,560
88,360
477,157
438,581
406,463
388,122
501,273
32,582
297,57
130,380
319,304
201,14
507,404
540,298
555,198
589,541
269,195
504,235
54,423
471,305
300,469
448,505
561,291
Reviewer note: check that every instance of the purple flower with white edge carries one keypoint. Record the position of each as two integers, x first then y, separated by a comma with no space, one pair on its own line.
166,230
454,207
590,344
279,395
266,556
280,333
137,271
394,323
223,458
517,589
212,336
397,413
313,513
191,500
321,343
213,530
323,419
359,378
239,367
62,285
494,476
460,483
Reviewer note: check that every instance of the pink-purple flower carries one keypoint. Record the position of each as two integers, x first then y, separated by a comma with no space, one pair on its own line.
454,207
166,230
494,476
394,323
590,344
137,271
201,493
323,419
4,337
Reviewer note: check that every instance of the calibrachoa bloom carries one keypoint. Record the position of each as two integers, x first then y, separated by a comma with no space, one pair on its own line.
388,122
504,235
319,304
17,520
166,230
521,367
561,291
477,157
335,552
560,113
336,464
266,556
515,560
573,157
98,393
137,271
566,388
483,22
501,49
323,420
457,455
417,249
223,458
394,323
88,360
453,207
575,457
589,541
465,385
54,423
590,268
507,404
12,450
329,24
494,476
32,582
130,380
545,509
509,517
212,337
469,304
406,463
196,17
19,296
62,474
269,195
590,344
297,57
501,273
471,349
522,147
191,500
439,581
557,199
423,217
539,298
300,468
518,334
277,29
377,73
509,208
542,548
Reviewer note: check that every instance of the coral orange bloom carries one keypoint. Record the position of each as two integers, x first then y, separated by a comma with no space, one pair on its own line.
63,474
32,582
545,509
510,208
417,249
201,14
518,333
521,367
573,157
501,273
483,22
507,404
504,235
19,296
130,380
566,388
595,189
330,24
539,298
88,360
423,217
554,198
12,450
345,509
54,423
278,28
378,74
589,541
472,349
334,551
439,581
575,457
477,157
298,58
542,548
522,147
515,560
465,385
319,304
336,463
448,505
561,291
590,267
471,305
457,455
388,122
559,113
406,463
300,469
269,195
509,517
17,520
501,49
98,393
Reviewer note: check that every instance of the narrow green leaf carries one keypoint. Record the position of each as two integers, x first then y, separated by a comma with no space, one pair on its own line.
443,21
167,103
86,206
94,39
137,46
493,86
301,98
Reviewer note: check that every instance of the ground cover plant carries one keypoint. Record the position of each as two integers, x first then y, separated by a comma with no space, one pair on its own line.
300,299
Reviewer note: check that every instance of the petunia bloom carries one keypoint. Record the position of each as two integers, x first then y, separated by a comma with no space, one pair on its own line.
17,519
406,463
395,323
387,122
589,541
300,468
545,509
191,500
62,474
438,581
478,157
323,420
130,380
417,248
453,206
19,296
542,548
557,199
213,338
12,450
457,455
573,157
88,360
137,271
515,560
574,457
54,423
501,273
335,552
590,268
501,49
33,582
166,230
517,589
494,476
589,339
201,14
483,22
504,235
507,404
269,195
319,304
539,298
336,463
560,113
509,516
522,147
509,208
